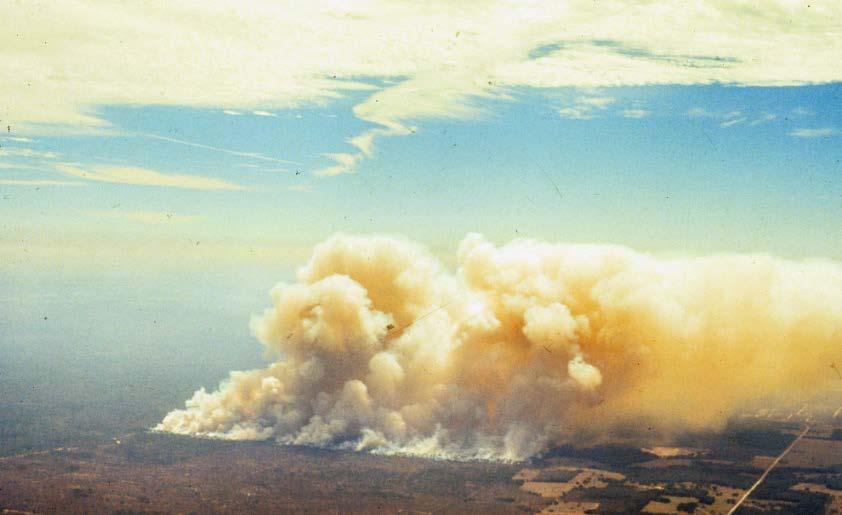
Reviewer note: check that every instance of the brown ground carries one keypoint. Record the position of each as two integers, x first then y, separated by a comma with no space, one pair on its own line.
814,453
159,473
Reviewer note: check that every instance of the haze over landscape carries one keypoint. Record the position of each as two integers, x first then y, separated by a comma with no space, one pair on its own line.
585,243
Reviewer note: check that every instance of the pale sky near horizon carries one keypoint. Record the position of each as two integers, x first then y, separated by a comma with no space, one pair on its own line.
213,134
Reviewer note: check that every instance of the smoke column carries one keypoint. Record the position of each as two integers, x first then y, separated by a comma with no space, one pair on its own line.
377,347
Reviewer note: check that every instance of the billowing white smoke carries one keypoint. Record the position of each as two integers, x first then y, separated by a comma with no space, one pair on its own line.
377,347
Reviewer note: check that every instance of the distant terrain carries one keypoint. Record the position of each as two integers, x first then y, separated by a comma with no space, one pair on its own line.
143,472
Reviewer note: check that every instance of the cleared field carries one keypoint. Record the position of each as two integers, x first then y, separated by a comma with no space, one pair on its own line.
814,453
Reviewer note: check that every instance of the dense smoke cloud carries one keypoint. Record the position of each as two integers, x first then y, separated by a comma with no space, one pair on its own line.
377,347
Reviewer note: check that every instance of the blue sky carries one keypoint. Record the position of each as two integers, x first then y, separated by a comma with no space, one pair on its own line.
684,169
219,134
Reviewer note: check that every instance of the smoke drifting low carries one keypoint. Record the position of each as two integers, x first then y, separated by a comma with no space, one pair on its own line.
377,347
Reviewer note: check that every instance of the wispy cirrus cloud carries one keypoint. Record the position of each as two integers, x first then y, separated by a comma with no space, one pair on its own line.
733,117
588,107
145,177
417,60
764,118
596,102
575,113
733,121
585,107
635,113
27,153
821,132
344,162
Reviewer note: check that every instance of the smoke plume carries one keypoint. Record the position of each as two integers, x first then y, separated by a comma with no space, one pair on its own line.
377,347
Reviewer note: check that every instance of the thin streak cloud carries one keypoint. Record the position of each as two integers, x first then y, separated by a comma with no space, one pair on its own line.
732,122
146,177
822,132
251,155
